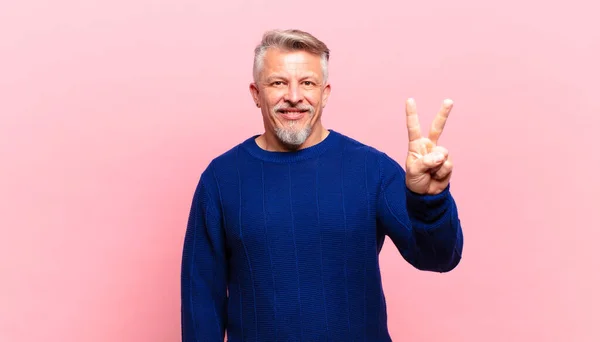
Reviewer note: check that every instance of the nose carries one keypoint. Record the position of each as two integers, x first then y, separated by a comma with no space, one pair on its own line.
293,94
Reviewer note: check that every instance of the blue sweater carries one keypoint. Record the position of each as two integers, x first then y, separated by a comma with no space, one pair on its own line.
284,246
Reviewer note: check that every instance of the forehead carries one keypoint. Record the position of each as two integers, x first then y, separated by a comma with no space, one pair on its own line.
278,61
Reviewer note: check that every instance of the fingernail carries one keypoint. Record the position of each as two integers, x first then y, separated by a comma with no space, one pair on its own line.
437,157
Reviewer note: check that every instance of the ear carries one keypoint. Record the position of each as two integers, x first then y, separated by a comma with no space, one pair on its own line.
254,92
326,92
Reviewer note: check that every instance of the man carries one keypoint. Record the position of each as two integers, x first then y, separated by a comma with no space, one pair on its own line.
285,228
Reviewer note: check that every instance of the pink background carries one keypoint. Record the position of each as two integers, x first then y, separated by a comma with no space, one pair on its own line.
111,109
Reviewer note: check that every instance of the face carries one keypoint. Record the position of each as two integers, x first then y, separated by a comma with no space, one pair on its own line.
291,94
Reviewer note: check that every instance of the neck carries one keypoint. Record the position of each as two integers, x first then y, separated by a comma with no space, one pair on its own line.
268,141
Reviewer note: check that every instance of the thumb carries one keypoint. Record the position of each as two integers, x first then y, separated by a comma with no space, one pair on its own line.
428,161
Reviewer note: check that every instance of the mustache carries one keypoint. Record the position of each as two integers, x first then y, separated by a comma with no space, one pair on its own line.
285,106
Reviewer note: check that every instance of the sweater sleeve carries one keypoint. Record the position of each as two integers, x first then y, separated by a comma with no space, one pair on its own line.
426,229
204,269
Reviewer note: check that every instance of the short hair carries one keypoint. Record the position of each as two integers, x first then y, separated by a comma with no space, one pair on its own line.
290,40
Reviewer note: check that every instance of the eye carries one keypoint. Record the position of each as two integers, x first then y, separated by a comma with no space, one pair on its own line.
308,83
277,83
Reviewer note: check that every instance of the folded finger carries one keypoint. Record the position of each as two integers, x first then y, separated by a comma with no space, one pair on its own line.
428,162
444,171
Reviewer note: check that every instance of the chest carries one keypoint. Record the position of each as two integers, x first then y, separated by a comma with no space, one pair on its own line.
299,204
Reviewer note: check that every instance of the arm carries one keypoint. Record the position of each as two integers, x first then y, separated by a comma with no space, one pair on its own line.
425,228
203,271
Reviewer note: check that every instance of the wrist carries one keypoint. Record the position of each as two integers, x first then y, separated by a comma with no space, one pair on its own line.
427,207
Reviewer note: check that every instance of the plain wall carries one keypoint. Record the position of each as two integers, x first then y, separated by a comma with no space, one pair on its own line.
110,110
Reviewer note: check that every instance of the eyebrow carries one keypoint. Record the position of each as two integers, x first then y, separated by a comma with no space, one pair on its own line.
279,76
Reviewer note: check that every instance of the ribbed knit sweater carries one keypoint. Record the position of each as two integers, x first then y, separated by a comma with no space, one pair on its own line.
284,246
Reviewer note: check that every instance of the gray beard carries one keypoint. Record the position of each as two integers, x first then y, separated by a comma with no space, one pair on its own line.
292,137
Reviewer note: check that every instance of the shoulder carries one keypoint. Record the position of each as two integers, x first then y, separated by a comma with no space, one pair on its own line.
378,160
229,158
221,167
353,145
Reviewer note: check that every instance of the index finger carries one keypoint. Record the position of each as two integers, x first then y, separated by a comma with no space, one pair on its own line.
437,126
412,120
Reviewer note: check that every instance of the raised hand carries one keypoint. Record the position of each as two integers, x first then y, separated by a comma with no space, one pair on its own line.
428,166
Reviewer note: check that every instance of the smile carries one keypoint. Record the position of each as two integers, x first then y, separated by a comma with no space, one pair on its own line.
292,114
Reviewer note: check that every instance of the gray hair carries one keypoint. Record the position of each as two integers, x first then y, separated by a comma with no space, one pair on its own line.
290,40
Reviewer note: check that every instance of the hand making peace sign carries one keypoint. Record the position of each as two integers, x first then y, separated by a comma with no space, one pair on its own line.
428,166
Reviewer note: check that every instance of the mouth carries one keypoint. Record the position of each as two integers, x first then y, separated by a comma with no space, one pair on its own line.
292,113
